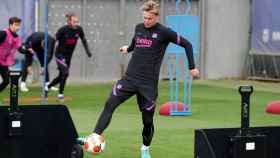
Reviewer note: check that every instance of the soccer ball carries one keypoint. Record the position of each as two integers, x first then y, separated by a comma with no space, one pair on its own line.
94,143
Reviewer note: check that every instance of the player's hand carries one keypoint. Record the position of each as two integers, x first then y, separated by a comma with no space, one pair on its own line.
89,55
31,50
194,72
123,49
29,69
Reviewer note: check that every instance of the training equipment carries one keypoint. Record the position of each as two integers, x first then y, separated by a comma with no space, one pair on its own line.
36,131
94,143
244,142
168,107
216,142
273,107
188,27
46,43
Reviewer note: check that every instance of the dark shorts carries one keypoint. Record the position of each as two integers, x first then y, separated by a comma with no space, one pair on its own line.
146,93
28,60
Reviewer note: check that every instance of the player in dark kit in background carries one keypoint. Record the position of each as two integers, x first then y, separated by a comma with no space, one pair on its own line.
67,37
34,45
9,43
141,78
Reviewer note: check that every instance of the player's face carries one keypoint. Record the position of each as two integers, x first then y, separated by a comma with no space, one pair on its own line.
43,43
150,19
74,22
15,27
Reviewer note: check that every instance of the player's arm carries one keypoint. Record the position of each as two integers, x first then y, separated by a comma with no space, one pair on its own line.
3,35
181,41
26,47
59,34
126,49
51,47
132,45
85,43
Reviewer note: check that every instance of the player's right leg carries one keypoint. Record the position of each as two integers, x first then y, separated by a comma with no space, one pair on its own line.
25,71
64,73
53,88
121,91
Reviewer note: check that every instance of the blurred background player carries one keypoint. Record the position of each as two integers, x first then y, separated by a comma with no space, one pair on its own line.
34,45
9,43
67,37
141,78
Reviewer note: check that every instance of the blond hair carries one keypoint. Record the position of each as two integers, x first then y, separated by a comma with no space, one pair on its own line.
151,6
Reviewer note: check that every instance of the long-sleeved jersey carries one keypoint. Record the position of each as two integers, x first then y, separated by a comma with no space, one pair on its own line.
36,42
67,38
149,45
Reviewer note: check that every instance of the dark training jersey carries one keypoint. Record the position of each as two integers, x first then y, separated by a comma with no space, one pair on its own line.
67,38
149,45
36,41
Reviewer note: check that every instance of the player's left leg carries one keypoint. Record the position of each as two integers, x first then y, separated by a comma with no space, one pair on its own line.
147,133
41,58
147,105
26,67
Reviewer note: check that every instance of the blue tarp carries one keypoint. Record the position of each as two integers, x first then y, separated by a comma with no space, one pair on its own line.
188,27
266,26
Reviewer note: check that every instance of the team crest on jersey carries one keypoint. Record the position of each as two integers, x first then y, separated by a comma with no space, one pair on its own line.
155,35
77,35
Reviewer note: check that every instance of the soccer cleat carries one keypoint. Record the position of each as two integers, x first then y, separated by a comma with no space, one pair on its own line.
51,88
145,153
46,88
23,87
60,98
54,89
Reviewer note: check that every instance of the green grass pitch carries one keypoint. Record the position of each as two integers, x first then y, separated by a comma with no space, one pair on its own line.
216,104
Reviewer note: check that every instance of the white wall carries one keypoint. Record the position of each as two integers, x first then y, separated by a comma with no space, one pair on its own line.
226,38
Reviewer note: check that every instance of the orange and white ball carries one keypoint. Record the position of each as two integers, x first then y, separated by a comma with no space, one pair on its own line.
94,143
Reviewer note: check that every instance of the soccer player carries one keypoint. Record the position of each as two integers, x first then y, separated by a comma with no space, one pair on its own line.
34,45
141,78
9,43
67,37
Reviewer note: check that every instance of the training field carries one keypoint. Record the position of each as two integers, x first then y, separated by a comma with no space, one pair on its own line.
215,104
